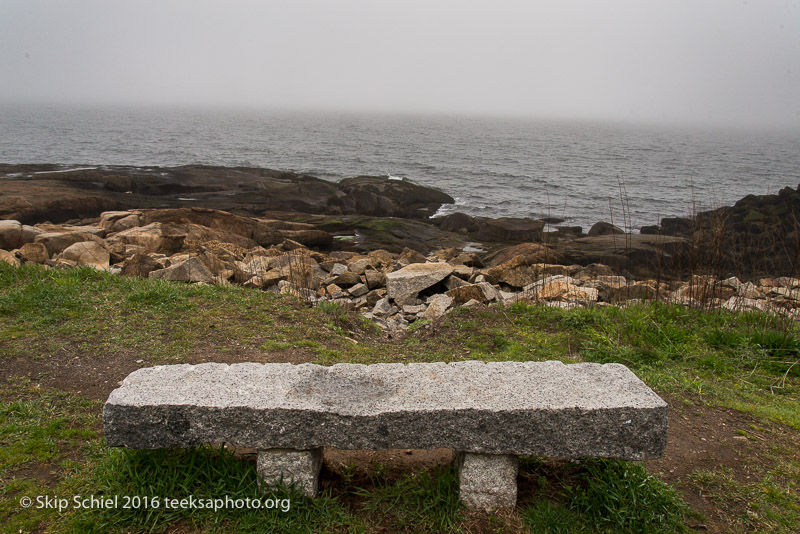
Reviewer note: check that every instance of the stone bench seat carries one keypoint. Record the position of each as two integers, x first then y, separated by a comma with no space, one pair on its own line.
489,413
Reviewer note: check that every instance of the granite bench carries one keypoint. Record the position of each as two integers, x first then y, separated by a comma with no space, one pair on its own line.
489,413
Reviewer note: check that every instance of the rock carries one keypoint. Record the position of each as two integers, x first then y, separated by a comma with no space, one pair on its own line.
265,280
286,287
10,235
140,265
347,279
414,310
532,252
382,197
481,292
300,269
487,481
397,321
409,256
256,266
415,277
358,290
458,221
382,307
224,223
287,466
191,270
509,229
381,257
462,271
34,253
787,281
467,258
375,279
338,269
360,266
560,288
702,288
637,291
604,228
57,242
151,238
374,296
452,282
520,272
592,272
117,221
740,304
438,306
407,300
471,304
572,231
9,258
88,253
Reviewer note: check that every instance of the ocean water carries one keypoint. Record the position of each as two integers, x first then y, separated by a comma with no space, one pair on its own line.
581,172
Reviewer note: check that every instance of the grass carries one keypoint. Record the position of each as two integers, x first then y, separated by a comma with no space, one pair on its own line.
51,440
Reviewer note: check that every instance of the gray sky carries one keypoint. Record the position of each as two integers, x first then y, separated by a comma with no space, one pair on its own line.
704,61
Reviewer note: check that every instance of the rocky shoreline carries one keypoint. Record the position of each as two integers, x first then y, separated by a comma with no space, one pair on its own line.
369,244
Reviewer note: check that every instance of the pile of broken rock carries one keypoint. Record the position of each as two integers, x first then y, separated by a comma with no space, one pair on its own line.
215,247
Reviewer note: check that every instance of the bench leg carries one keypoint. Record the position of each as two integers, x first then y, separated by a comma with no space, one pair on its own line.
487,481
292,466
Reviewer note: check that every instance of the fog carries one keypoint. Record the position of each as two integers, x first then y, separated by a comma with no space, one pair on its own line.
716,62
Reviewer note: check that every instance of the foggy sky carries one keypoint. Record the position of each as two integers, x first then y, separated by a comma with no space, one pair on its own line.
680,60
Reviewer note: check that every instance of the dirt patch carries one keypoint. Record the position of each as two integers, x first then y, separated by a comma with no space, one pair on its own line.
94,376
393,462
705,437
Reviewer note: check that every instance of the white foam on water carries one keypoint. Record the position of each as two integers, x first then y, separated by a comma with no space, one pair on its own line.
67,170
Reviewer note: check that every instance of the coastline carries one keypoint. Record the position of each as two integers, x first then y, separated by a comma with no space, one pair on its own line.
369,243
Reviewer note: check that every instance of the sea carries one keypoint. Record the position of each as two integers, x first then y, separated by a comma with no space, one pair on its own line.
581,172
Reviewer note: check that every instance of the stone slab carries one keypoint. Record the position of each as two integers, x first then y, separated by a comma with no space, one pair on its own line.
524,408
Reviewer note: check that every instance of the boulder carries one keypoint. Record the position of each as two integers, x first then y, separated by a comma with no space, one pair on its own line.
300,269
262,233
452,282
520,271
382,308
359,266
458,222
152,238
560,288
9,258
191,270
375,279
382,197
510,229
88,253
140,265
409,256
116,221
265,280
358,290
532,252
482,292
57,242
34,253
10,235
642,291
604,228
415,277
438,306
347,279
